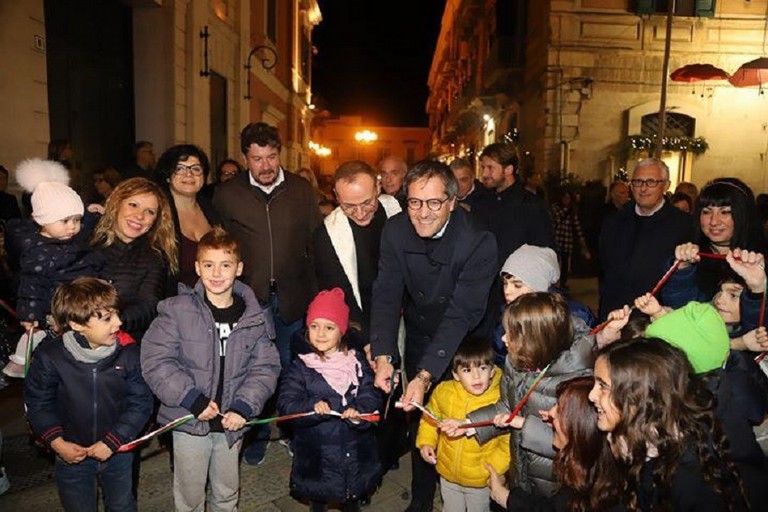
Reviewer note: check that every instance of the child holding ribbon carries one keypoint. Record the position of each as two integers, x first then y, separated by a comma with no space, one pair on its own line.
539,339
335,453
209,353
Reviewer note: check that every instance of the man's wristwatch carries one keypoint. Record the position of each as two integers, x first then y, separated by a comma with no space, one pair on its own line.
425,379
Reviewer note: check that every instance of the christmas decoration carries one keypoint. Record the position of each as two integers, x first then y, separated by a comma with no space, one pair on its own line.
638,143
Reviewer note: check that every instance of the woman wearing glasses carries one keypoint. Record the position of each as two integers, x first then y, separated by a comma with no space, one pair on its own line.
183,170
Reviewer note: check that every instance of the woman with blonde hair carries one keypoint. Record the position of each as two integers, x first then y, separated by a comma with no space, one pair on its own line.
136,241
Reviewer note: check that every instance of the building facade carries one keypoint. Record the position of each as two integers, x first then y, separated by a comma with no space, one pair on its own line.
580,78
105,74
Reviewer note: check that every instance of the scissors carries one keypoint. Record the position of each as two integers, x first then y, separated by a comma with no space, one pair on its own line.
393,381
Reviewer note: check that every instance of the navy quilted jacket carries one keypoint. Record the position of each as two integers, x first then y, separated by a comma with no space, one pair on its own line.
334,460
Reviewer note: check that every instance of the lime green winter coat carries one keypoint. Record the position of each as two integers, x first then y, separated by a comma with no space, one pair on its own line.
462,460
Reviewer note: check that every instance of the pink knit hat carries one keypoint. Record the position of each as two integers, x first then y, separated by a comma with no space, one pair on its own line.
52,199
330,305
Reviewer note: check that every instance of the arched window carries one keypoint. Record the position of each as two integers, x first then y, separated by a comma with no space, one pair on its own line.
676,125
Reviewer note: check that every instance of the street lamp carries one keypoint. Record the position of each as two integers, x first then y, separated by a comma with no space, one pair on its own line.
366,137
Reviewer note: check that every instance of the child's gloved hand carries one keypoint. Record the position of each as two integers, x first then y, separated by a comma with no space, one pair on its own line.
428,454
322,407
232,421
756,340
99,451
688,254
750,266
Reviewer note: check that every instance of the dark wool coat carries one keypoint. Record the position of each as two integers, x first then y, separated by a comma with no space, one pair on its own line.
86,402
275,237
516,217
333,460
442,295
635,252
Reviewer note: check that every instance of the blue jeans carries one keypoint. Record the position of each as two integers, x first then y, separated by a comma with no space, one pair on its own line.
78,484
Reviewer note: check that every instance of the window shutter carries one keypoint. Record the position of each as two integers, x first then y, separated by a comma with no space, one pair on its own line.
705,8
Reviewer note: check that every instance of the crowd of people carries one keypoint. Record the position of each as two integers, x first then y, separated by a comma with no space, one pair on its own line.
419,308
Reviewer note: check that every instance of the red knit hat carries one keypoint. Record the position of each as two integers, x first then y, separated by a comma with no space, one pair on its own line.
330,305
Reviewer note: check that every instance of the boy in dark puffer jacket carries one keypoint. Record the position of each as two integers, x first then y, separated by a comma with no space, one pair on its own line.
85,397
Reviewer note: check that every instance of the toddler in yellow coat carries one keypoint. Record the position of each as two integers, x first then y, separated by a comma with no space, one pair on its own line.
461,461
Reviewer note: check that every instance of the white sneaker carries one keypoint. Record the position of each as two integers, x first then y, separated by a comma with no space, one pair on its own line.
287,443
5,484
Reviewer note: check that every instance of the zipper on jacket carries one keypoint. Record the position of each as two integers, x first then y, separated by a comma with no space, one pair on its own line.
272,281
95,405
272,287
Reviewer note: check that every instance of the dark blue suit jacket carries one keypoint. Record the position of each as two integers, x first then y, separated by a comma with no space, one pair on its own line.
442,295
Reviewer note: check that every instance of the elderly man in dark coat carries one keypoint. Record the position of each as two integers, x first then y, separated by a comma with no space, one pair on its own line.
436,267
637,243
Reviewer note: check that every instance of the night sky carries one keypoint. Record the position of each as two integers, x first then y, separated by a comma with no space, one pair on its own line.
373,58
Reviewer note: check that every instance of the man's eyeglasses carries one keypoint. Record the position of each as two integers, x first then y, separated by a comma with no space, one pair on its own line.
648,183
365,206
432,204
195,170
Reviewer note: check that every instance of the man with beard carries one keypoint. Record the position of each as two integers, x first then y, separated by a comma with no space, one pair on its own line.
272,213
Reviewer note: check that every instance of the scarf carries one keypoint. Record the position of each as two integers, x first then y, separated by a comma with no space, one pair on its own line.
339,370
86,355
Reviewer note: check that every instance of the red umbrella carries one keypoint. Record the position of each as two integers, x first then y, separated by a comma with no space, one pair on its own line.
698,72
754,72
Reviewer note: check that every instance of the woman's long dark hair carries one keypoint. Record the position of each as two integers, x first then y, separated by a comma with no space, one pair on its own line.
587,454
664,405
747,229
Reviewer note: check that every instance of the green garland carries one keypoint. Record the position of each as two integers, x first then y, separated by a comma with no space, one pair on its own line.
638,143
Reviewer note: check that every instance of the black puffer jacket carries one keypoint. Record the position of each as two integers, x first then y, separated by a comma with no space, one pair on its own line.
139,275
86,402
334,460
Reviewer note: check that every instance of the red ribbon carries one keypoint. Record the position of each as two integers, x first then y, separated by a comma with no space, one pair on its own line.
668,274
